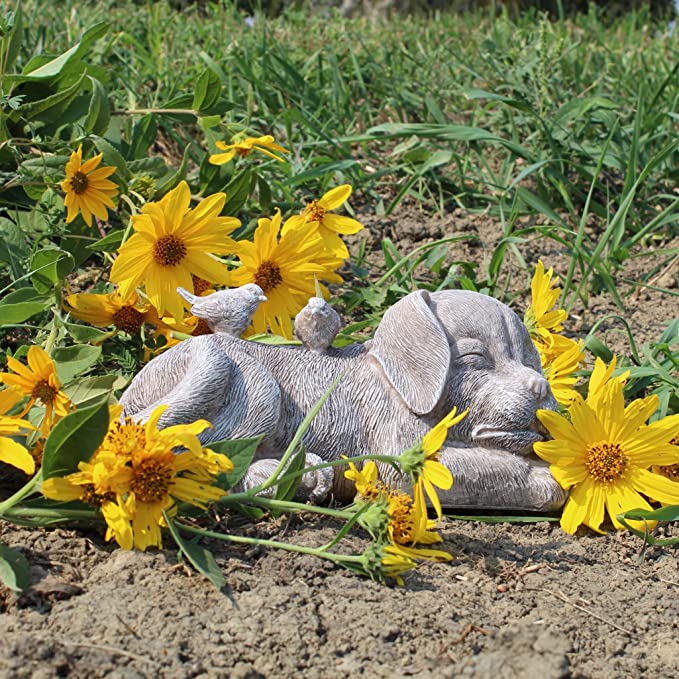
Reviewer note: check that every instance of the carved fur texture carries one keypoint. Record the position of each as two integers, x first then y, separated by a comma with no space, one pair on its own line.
431,352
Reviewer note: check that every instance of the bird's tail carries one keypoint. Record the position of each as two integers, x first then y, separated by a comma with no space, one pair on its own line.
188,296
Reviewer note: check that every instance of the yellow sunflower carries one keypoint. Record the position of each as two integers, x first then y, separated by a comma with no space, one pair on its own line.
421,461
601,378
364,479
604,452
173,242
136,469
87,188
671,471
409,525
39,382
244,147
540,317
12,452
560,360
329,225
395,561
126,314
284,268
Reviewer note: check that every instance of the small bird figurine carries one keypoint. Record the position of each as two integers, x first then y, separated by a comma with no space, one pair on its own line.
226,312
317,325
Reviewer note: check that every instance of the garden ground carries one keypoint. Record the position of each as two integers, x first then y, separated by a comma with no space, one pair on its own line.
516,601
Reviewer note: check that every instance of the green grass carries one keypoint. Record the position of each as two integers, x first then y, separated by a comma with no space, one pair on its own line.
558,119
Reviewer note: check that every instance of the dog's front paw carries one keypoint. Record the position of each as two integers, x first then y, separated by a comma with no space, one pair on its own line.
316,484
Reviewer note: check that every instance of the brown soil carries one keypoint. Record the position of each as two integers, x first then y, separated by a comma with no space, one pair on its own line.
516,601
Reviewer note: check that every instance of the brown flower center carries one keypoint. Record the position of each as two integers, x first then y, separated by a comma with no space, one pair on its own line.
169,250
268,276
151,478
671,471
45,392
401,520
128,319
79,182
125,438
605,461
37,451
200,285
202,328
243,151
314,211
93,498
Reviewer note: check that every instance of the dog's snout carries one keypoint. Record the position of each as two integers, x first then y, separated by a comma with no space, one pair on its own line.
539,386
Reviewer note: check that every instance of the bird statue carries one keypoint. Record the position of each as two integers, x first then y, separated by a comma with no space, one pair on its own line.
226,312
317,325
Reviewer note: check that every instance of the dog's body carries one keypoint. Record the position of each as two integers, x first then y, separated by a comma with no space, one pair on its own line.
430,353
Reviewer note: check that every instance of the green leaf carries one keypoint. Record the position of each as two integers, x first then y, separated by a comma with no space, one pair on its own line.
15,571
50,266
208,122
13,247
15,39
473,93
143,136
598,348
72,361
109,243
237,192
90,390
22,295
200,557
464,133
173,179
112,156
85,333
99,110
74,439
537,203
324,170
667,513
240,452
11,314
286,489
154,166
55,66
275,340
50,106
207,92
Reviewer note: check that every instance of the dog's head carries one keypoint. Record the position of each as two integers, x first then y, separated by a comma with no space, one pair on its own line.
464,349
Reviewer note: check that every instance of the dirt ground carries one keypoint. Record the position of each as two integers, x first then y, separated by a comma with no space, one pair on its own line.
517,600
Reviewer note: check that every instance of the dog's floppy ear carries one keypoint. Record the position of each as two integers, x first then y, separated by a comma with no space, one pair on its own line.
412,349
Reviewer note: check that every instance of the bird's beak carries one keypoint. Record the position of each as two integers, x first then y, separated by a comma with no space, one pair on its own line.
261,298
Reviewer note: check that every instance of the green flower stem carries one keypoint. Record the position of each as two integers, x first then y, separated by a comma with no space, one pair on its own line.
273,480
54,332
313,551
33,515
269,503
144,111
25,490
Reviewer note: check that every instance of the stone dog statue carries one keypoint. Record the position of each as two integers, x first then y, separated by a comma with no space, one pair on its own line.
430,352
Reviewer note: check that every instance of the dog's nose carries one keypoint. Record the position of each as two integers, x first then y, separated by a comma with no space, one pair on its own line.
539,386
